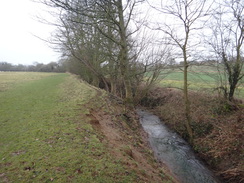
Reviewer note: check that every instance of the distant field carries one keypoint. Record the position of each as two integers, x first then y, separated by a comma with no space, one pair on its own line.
45,135
200,78
10,79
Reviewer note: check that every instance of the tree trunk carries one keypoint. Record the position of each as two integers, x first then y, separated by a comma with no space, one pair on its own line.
231,92
124,61
186,99
113,87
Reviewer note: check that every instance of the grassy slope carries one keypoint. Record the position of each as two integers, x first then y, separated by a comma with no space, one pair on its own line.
54,128
45,136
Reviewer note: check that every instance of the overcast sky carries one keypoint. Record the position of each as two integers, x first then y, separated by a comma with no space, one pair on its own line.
17,26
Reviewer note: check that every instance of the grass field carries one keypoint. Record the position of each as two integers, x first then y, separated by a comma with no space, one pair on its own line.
44,133
200,78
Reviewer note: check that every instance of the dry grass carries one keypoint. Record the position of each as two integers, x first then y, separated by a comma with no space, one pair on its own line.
218,128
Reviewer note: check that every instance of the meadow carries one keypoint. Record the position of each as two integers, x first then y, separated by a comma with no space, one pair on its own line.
200,78
45,134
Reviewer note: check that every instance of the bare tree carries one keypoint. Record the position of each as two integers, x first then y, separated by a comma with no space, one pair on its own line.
183,21
226,43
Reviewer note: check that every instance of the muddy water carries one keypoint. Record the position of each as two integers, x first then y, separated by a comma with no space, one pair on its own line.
173,151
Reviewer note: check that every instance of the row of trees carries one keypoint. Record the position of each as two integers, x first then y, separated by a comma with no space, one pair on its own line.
98,37
37,67
107,41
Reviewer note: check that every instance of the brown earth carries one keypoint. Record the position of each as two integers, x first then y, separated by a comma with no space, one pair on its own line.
217,124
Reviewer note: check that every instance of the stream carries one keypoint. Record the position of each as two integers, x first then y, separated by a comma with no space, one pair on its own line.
173,151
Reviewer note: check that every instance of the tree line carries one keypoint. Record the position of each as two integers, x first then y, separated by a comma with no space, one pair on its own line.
109,41
37,67
101,41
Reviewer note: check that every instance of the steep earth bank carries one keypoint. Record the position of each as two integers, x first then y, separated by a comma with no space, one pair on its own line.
120,130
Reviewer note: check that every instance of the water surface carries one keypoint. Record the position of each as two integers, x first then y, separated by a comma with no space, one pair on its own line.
173,151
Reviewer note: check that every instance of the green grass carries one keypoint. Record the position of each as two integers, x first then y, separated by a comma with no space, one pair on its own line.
200,78
10,79
45,134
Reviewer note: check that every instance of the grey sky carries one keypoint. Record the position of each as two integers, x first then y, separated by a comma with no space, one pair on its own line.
17,26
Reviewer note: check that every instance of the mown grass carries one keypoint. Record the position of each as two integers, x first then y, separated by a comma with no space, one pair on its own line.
200,78
45,134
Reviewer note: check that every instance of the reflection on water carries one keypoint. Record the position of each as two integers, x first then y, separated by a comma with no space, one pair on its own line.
174,151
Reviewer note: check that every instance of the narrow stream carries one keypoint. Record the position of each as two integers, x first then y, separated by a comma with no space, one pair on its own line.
173,151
